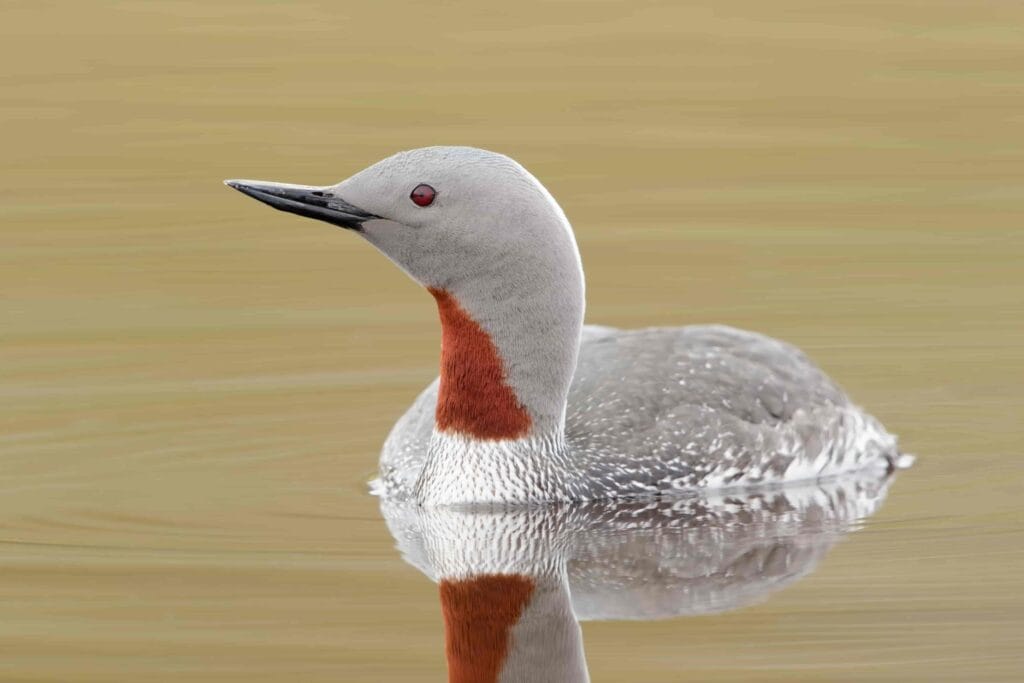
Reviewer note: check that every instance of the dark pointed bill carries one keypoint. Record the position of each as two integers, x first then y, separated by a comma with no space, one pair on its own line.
305,200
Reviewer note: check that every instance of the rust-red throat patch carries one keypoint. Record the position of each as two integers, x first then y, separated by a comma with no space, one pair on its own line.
474,398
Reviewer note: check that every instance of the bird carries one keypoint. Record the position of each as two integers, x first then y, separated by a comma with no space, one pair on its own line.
531,405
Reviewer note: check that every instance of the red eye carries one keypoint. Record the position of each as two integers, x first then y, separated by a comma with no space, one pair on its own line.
423,195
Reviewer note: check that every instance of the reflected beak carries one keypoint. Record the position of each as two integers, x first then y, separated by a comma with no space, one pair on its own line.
305,200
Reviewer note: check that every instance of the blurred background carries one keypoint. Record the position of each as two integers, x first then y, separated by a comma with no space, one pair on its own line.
194,389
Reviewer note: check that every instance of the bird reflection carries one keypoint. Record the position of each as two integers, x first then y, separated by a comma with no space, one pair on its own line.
514,583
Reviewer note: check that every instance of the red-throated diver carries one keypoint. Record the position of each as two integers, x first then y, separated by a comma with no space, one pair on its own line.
531,405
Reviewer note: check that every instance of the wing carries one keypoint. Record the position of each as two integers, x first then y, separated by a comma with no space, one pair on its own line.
665,409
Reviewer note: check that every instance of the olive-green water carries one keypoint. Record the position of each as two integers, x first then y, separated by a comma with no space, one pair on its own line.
194,389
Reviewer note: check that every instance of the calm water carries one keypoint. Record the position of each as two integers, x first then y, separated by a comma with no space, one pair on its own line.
193,388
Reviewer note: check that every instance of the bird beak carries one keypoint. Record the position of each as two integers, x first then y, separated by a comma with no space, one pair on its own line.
305,200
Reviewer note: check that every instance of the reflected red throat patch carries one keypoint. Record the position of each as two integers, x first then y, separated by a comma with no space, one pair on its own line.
478,613
473,398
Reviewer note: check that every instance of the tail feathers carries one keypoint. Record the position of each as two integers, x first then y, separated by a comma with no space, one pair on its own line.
902,461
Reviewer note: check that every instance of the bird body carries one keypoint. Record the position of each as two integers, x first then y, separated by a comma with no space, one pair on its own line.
665,411
533,406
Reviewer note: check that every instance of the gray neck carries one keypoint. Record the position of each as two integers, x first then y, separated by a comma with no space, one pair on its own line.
499,432
533,311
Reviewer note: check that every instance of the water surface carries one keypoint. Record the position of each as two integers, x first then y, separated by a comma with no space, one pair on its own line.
194,389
